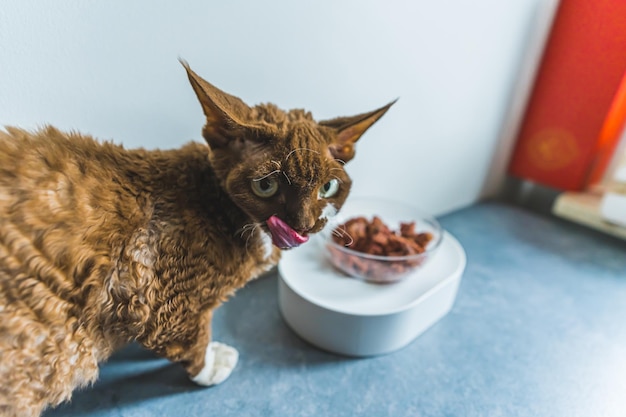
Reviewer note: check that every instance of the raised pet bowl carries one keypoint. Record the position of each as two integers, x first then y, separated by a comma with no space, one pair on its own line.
357,318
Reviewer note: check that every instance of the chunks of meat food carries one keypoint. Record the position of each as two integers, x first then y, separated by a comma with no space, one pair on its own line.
374,237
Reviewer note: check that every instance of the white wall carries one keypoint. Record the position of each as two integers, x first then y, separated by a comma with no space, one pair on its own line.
110,69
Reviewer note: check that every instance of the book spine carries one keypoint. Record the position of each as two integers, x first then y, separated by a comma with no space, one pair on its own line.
577,83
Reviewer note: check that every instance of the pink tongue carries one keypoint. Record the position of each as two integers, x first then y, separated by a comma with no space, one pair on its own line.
283,235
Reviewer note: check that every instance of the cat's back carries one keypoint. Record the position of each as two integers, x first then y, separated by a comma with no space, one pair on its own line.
27,157
57,176
37,170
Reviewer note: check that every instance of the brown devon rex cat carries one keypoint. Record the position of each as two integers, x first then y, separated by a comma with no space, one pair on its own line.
101,246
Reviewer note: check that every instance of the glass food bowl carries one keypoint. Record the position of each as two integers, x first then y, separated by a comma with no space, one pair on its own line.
383,258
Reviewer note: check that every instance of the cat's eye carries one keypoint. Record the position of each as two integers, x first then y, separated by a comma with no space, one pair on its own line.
265,187
329,189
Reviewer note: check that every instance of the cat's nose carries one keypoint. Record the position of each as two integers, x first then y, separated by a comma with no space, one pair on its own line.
304,230
300,216
303,226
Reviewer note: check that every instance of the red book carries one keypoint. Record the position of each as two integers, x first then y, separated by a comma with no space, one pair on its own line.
563,140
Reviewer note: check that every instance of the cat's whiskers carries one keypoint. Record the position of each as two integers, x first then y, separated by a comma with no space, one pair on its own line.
341,161
247,228
277,170
341,232
250,235
250,229
300,149
266,175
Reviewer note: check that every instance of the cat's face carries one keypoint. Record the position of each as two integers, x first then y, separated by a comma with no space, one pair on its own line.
283,169
287,180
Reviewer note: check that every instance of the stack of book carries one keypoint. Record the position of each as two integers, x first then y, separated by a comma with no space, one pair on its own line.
613,205
603,207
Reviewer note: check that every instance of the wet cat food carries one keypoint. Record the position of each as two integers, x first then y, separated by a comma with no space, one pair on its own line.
384,255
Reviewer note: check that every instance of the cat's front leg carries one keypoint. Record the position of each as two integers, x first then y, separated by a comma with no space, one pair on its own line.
211,362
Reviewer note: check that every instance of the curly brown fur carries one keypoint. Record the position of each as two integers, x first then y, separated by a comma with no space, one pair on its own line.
101,246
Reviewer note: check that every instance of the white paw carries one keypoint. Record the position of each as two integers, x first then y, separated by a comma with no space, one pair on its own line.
219,362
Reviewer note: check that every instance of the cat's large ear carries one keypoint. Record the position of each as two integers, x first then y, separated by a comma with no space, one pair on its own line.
350,129
225,114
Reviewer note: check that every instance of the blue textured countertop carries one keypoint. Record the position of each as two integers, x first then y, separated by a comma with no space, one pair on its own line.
538,329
